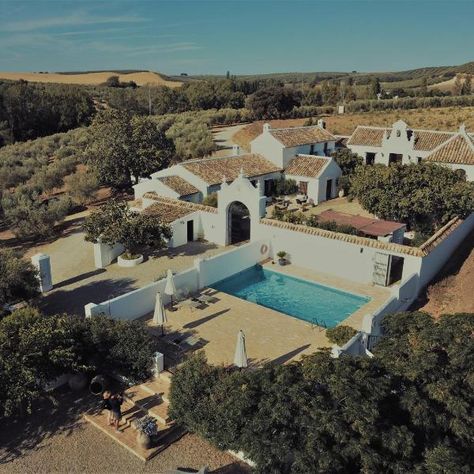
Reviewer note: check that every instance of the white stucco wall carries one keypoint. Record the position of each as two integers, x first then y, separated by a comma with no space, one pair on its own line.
214,269
269,147
435,260
105,254
313,186
180,229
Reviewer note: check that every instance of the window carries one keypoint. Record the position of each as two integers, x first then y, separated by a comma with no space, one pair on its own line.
418,159
395,158
303,187
369,158
311,150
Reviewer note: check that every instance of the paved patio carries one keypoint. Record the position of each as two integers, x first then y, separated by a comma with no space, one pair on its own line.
77,281
270,336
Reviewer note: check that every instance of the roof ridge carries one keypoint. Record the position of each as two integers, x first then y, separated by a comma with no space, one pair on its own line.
297,128
217,158
179,203
308,155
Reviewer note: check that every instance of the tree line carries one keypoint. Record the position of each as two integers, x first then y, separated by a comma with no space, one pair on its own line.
407,409
28,111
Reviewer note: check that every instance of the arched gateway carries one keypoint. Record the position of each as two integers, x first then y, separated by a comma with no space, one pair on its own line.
238,222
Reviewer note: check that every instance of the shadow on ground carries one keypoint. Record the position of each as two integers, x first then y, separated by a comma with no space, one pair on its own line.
73,301
61,415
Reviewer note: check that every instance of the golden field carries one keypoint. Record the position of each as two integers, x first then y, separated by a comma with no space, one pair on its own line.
90,78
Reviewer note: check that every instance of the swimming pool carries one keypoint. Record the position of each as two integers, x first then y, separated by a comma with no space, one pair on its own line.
292,296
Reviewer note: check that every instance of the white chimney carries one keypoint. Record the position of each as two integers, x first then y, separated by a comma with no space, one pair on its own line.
266,127
235,150
321,123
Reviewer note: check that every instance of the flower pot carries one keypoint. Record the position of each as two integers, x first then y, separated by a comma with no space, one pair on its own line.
127,262
341,193
143,440
78,382
282,261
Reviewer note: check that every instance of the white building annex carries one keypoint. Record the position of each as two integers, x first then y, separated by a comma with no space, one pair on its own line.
401,144
301,153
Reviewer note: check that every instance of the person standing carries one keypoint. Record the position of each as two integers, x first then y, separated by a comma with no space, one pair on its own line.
112,403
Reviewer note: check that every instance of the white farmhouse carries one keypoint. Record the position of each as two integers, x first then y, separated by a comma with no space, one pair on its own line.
401,144
299,153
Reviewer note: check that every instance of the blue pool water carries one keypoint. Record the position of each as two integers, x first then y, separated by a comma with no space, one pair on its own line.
301,299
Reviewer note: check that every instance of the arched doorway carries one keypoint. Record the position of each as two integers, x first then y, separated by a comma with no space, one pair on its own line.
238,218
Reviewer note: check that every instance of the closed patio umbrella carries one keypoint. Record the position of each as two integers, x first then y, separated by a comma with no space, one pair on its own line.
240,357
170,288
159,316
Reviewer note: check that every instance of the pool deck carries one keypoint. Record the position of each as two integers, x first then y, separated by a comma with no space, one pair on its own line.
270,336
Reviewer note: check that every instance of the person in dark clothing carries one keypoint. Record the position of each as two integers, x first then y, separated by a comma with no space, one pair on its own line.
112,403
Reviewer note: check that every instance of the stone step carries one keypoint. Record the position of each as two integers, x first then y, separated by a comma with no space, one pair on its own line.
127,436
149,402
159,387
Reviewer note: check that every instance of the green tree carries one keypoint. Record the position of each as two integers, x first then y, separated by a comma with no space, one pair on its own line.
424,196
83,187
348,162
18,278
374,88
467,85
30,216
35,349
115,223
121,147
272,102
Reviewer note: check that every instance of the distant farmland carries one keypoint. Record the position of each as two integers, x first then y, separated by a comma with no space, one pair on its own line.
91,78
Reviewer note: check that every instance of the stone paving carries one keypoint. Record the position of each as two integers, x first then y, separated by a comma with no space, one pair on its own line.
270,336
77,281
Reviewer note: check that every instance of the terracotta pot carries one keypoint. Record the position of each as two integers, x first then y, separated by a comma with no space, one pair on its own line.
78,382
143,440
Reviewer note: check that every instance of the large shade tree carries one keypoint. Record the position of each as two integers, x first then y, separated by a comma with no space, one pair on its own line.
122,147
424,196
116,223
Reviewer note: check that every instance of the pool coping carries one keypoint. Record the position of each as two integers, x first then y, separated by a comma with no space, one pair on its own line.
369,298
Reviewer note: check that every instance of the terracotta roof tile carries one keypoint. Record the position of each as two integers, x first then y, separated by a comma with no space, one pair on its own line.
458,150
179,185
213,170
295,136
184,205
352,239
367,136
367,225
307,165
440,235
425,140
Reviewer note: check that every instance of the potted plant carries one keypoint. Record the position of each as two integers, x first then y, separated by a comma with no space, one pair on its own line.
146,430
114,223
282,257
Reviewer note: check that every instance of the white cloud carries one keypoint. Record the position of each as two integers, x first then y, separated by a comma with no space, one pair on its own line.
74,19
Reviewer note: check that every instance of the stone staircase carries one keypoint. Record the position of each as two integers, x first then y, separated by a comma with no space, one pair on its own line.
148,398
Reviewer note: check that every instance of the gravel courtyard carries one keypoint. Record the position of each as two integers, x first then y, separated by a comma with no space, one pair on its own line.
58,440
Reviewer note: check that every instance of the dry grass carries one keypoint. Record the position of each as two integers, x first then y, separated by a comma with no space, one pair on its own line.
443,118
90,78
448,86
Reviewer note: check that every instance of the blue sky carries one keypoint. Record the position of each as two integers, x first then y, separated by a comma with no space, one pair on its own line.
244,36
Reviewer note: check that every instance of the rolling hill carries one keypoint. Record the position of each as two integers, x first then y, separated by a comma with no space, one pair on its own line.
92,78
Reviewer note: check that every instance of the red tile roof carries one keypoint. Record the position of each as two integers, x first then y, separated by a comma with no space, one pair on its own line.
307,165
213,170
366,225
296,136
458,150
425,140
179,185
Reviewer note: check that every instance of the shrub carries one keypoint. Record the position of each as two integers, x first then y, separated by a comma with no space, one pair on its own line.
18,278
340,334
